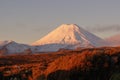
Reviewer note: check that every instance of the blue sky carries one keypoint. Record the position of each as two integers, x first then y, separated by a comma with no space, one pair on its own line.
26,21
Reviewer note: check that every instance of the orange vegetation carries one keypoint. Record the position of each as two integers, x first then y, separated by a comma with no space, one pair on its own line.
82,64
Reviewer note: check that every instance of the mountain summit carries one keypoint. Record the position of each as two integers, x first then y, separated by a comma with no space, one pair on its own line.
68,36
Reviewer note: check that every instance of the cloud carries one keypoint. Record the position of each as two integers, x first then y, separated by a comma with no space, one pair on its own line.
99,28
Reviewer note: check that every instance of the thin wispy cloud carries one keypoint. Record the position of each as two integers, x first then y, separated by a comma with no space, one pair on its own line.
100,28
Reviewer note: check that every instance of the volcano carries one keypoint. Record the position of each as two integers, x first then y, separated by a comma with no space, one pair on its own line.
68,36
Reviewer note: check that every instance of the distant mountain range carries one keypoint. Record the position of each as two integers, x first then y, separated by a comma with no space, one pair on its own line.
66,36
114,40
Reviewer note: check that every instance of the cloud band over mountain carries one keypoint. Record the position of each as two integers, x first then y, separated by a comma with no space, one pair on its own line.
100,28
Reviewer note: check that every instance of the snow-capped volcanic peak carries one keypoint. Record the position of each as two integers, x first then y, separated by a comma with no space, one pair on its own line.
65,34
69,36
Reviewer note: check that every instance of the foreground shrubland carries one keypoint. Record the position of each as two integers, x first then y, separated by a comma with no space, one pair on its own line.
82,64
